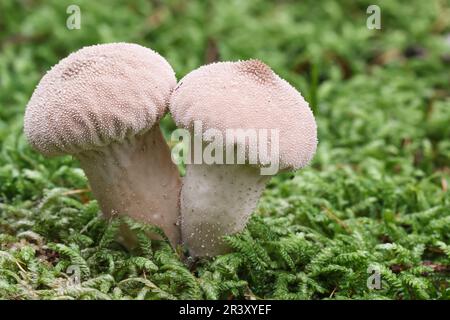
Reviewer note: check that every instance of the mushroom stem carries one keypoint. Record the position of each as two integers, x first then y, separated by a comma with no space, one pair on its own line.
217,200
136,178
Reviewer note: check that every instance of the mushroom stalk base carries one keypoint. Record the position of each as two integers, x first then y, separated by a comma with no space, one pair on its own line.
217,200
136,178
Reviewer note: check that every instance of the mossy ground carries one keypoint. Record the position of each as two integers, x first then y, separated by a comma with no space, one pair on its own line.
376,196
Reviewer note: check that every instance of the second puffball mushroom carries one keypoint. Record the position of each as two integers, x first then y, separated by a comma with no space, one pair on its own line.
102,105
217,199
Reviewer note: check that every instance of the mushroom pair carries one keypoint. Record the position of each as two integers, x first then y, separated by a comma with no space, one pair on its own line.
102,104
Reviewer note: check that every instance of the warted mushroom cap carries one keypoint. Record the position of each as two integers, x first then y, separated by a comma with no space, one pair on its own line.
247,95
98,95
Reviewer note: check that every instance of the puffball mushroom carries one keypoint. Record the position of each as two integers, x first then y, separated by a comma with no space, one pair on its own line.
102,105
217,199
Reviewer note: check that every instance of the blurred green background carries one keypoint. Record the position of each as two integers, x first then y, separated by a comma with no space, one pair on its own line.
377,191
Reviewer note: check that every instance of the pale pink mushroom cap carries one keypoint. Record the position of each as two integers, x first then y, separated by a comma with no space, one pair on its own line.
247,95
98,95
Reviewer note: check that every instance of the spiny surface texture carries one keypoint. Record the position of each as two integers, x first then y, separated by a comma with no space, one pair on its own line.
248,95
98,95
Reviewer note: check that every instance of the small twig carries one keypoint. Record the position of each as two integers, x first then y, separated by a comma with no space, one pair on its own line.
332,292
444,184
77,191
332,216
